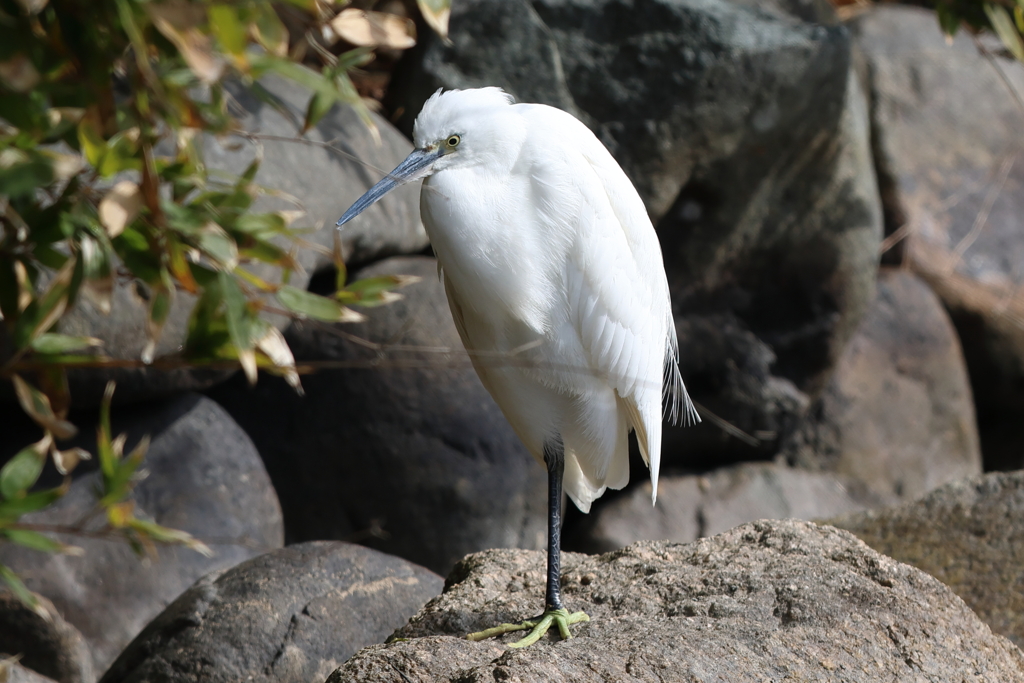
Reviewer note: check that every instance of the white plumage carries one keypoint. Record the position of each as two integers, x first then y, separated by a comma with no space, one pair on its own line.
555,280
546,246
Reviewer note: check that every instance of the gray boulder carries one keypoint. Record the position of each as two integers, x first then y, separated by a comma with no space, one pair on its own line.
897,414
765,601
694,506
324,171
290,616
48,646
399,446
13,672
205,478
946,130
969,535
747,137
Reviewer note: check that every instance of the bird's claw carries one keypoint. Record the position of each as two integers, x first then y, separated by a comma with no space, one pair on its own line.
538,627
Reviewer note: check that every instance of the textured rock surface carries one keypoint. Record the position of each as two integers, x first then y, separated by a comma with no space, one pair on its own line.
322,177
205,478
969,535
746,136
946,130
50,647
290,616
898,413
693,506
409,441
766,601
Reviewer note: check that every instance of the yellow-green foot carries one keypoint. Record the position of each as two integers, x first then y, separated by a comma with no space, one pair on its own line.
538,627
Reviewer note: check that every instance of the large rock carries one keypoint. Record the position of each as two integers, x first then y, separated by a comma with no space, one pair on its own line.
13,672
290,616
946,127
47,645
897,414
401,449
747,137
694,506
320,173
969,535
773,601
205,478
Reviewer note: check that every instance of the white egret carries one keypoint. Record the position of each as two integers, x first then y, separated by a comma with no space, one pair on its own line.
548,255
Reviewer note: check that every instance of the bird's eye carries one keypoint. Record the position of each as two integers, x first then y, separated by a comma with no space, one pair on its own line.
454,141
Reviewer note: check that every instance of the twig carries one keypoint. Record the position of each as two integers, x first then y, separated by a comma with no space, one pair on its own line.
981,220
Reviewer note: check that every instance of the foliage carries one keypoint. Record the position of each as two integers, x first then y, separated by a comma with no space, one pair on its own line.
1004,17
102,104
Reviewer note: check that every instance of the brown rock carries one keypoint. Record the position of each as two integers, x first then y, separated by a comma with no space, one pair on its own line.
947,134
969,535
767,601
898,414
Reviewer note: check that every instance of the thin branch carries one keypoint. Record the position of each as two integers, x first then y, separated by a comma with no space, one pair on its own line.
981,219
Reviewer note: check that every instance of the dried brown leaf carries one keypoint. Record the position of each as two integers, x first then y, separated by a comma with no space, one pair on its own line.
120,206
374,29
18,73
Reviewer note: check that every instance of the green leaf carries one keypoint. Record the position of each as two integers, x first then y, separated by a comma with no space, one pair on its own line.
37,541
308,5
319,105
21,172
133,248
261,225
300,74
22,471
37,405
219,246
91,143
310,305
118,485
1004,27
241,324
104,445
22,592
12,509
162,534
51,342
270,32
262,250
949,22
46,309
230,31
436,13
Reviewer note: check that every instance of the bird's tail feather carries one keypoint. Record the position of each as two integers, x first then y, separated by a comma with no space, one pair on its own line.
677,405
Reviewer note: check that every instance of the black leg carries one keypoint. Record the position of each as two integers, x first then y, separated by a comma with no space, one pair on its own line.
554,456
554,613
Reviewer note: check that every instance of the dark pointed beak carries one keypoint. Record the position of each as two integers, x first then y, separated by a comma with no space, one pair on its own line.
417,165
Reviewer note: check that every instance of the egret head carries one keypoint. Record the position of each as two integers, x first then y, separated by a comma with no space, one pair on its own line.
455,129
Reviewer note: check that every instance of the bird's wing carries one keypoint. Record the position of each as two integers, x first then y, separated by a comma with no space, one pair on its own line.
640,235
613,278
